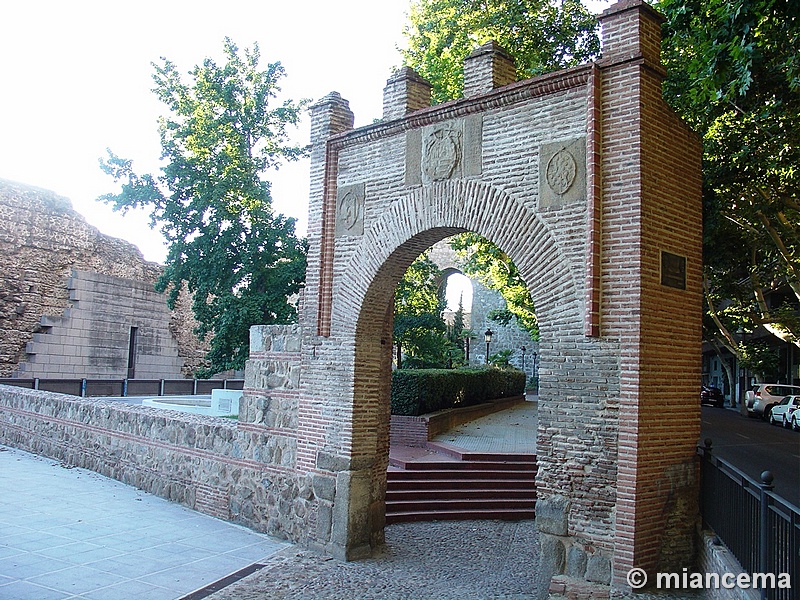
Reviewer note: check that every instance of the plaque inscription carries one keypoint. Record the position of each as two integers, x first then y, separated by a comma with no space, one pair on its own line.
673,270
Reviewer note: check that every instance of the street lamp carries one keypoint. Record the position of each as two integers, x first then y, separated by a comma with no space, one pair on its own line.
488,339
523,357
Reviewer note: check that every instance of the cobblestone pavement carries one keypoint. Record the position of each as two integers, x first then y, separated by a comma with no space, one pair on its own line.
465,560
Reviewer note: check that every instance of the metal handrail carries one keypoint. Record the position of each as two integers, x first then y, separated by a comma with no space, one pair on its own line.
760,528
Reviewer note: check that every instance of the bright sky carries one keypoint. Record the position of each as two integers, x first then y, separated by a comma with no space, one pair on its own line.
77,80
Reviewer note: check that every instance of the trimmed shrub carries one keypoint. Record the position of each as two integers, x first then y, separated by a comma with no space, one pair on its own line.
420,391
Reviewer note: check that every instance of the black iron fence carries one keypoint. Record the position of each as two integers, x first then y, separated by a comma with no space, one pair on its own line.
761,529
127,387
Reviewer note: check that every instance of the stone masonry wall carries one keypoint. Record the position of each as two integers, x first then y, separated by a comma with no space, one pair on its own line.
505,336
42,241
239,471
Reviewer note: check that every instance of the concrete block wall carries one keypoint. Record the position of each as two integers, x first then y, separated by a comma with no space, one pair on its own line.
92,337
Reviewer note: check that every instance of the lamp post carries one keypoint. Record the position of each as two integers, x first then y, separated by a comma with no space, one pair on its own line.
523,358
488,339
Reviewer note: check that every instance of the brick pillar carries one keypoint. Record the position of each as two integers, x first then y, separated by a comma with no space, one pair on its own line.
651,264
330,116
486,68
406,91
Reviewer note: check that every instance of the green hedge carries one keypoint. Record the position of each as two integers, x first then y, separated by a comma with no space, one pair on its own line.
421,391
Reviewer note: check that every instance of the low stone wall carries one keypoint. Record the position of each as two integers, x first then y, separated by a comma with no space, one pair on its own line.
716,558
234,471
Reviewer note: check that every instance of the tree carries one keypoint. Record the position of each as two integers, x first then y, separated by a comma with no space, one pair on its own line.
484,261
238,260
541,35
420,332
734,75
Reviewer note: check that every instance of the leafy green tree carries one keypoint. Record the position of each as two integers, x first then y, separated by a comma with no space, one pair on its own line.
484,261
541,35
239,260
734,75
420,333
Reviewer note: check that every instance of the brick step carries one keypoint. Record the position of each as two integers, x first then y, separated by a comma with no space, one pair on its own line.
465,474
459,465
526,483
497,492
460,515
461,454
478,504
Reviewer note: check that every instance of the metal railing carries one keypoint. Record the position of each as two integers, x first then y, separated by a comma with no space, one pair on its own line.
127,387
761,529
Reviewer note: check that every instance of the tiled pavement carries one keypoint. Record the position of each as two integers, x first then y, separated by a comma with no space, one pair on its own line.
71,533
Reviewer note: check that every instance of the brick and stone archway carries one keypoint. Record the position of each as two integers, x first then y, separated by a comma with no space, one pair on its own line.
592,186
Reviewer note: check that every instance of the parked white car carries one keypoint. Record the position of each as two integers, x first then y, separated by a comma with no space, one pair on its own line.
786,413
764,396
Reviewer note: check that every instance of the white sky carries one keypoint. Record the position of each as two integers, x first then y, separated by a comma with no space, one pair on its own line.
76,79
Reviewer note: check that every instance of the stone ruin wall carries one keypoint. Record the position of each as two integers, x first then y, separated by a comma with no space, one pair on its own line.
43,242
508,336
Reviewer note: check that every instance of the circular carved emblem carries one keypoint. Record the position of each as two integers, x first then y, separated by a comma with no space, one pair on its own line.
561,171
441,155
349,210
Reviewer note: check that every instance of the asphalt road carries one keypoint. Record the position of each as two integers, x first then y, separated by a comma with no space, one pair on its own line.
754,446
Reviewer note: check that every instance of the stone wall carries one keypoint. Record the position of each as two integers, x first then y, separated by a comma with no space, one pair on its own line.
43,241
239,471
92,339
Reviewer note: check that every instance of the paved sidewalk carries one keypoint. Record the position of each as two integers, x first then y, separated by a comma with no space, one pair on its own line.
71,533
508,431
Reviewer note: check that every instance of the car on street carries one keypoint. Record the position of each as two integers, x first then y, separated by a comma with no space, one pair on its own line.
786,413
764,396
712,395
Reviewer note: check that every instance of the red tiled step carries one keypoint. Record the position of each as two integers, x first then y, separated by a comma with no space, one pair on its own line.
460,515
472,473
461,454
439,504
437,488
515,483
462,465
496,492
